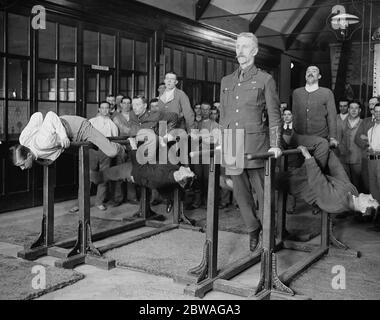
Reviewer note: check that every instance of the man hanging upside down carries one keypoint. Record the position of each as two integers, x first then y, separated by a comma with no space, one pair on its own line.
332,191
163,177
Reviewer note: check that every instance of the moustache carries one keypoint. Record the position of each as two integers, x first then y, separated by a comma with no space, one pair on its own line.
240,56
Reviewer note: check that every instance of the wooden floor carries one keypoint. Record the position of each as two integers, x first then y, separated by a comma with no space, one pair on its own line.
123,283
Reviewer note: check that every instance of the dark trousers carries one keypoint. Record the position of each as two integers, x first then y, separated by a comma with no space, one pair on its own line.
374,178
251,180
99,161
354,173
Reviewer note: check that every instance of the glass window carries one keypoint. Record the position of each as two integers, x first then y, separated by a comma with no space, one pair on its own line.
190,65
2,108
141,56
200,75
18,116
67,83
167,53
177,62
46,106
107,47
18,34
105,86
18,79
47,41
219,70
2,74
91,110
126,84
140,85
66,108
1,31
126,54
67,43
229,67
210,69
91,88
47,88
90,47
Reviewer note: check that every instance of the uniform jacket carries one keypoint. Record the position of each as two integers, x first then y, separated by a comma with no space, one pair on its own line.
241,107
181,106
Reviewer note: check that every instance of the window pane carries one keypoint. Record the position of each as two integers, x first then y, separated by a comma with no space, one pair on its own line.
91,110
47,41
47,89
18,115
66,108
67,43
210,69
67,83
105,86
18,34
229,67
90,47
126,54
46,106
1,31
107,47
126,85
219,70
2,75
168,66
200,68
177,62
140,85
91,86
141,56
18,79
2,108
190,65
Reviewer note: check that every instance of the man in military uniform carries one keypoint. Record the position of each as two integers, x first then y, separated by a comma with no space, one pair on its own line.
245,94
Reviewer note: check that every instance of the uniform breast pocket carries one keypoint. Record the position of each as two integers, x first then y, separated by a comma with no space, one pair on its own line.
252,93
227,95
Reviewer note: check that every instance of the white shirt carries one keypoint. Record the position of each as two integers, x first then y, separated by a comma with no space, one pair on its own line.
343,116
43,136
105,125
288,124
374,137
353,122
311,87
168,95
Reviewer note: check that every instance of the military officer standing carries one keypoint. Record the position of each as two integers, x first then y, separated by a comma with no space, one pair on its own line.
245,94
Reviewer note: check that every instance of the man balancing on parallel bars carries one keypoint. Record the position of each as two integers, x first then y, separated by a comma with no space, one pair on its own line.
45,139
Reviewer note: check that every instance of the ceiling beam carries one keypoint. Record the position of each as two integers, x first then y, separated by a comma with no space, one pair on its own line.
302,23
261,15
200,8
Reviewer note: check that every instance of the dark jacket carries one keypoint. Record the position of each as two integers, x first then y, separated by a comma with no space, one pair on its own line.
241,107
364,126
330,192
151,120
314,113
180,105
